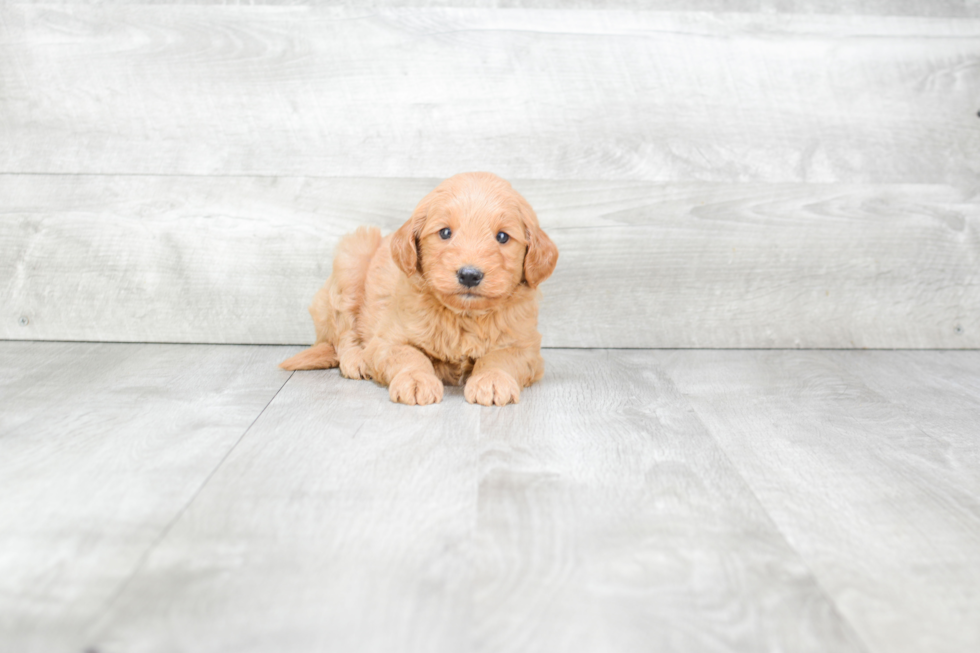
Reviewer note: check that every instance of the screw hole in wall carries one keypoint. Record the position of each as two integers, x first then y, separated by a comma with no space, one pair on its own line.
24,320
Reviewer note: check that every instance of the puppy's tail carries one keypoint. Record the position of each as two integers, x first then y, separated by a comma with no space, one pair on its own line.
318,357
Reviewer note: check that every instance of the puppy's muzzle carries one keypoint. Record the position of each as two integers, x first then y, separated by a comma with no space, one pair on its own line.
469,277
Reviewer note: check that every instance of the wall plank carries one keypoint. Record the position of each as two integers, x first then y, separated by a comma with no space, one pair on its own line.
939,8
237,259
427,92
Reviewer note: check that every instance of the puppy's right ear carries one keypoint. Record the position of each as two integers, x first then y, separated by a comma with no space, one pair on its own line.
404,242
404,249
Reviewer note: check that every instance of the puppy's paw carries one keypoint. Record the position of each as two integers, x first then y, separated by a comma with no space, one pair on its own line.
492,388
353,365
415,388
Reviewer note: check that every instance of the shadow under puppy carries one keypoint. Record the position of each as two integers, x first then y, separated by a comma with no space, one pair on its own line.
448,298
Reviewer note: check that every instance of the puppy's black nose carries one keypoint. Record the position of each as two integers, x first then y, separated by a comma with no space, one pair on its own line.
469,277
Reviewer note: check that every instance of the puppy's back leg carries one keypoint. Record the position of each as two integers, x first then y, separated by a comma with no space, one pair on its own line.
350,268
335,308
318,357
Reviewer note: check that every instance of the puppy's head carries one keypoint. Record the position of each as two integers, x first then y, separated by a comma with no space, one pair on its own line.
473,241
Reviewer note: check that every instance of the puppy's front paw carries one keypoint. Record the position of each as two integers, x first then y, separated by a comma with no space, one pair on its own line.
353,365
415,388
492,388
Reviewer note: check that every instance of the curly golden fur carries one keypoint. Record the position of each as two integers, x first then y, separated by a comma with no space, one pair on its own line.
441,300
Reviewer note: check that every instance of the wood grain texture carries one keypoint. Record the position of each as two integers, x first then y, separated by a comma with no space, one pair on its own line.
596,515
609,520
937,8
633,501
538,94
880,500
341,522
945,402
101,446
237,259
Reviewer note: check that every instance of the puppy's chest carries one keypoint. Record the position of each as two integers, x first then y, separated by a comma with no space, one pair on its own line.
461,342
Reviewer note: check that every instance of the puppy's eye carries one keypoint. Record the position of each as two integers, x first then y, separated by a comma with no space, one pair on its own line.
445,233
502,237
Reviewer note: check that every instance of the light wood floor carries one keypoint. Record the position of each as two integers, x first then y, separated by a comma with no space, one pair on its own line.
196,498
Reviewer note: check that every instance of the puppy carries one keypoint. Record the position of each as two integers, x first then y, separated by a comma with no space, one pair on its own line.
448,298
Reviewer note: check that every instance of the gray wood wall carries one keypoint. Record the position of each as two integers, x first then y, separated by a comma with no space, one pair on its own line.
795,174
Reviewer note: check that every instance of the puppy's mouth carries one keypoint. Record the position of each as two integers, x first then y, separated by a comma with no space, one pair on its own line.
467,300
473,299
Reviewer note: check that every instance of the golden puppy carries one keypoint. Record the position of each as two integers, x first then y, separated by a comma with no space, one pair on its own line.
449,297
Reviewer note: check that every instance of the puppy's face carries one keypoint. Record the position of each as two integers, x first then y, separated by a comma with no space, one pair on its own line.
472,250
474,240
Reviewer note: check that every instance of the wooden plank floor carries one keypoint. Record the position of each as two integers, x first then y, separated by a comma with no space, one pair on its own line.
101,447
196,498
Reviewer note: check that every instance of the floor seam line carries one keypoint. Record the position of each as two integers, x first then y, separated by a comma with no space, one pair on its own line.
180,513
775,525
799,555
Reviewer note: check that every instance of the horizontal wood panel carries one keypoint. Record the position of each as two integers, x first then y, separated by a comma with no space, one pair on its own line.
237,259
945,8
427,92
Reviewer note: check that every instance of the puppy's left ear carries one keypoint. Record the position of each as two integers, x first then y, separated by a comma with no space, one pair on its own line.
542,254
